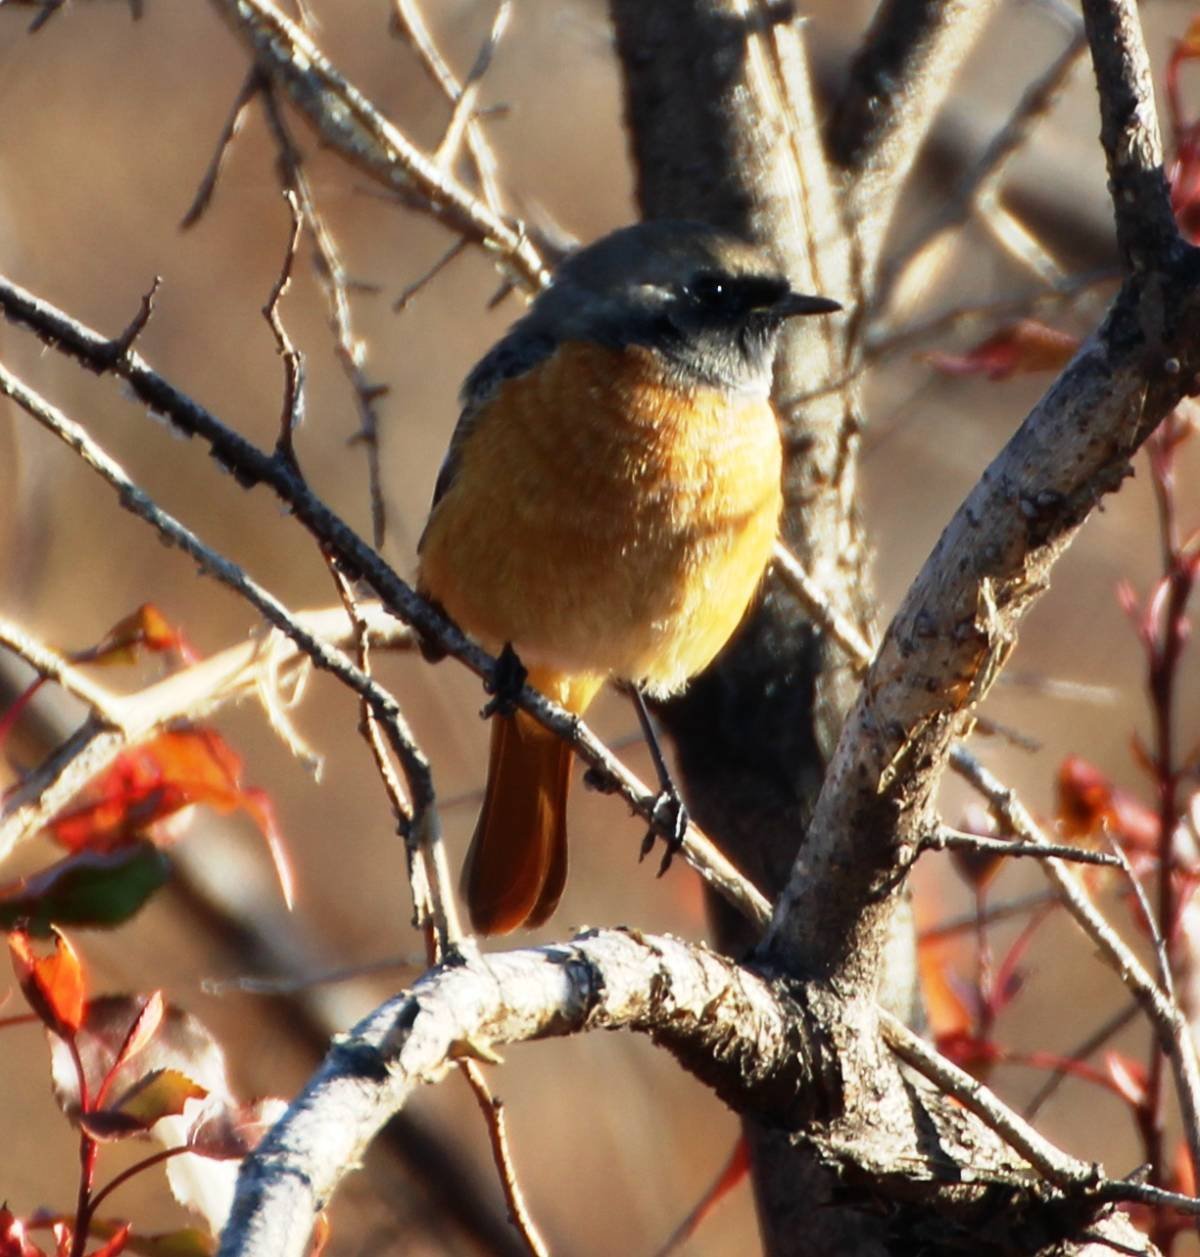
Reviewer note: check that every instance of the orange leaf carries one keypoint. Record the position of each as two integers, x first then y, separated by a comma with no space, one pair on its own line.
1088,801
948,1014
53,985
1022,347
148,783
146,629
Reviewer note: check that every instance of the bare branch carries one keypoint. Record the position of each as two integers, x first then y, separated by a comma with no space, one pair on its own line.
493,1114
1058,1168
409,23
105,706
292,412
738,1032
250,87
816,603
984,177
946,839
1146,231
351,352
348,122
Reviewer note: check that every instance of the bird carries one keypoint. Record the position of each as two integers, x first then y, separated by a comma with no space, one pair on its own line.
607,508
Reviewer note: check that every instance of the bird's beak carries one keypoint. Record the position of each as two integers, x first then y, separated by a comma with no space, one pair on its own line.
794,303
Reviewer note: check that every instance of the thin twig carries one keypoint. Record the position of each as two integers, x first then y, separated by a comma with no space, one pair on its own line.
1096,1040
431,273
1054,1165
994,912
292,413
944,838
463,113
251,85
348,122
493,1115
350,350
985,175
409,23
1165,977
433,908
48,663
814,601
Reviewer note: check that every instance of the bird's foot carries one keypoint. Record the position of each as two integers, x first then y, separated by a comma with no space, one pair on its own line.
506,683
671,814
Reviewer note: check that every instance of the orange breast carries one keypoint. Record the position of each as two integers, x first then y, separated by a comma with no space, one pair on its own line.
607,521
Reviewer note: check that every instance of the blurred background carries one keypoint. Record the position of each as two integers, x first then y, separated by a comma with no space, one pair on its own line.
106,126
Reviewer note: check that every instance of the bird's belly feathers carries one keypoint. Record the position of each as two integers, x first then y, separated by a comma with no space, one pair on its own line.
605,523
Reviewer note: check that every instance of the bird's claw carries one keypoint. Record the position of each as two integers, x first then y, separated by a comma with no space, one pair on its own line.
670,812
505,685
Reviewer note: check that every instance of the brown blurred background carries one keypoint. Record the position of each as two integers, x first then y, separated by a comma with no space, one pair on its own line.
106,126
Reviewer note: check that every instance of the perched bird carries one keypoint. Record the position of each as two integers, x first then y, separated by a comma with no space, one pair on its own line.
607,507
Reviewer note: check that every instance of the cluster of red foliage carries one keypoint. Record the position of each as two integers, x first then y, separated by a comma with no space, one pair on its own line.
130,1066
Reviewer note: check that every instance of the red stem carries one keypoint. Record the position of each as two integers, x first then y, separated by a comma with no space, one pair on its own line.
1162,677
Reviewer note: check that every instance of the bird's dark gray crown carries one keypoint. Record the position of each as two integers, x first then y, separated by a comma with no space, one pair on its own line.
708,302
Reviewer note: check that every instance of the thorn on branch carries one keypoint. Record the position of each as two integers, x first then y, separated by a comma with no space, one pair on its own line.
116,349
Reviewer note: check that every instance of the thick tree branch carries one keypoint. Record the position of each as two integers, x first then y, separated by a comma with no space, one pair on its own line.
748,1039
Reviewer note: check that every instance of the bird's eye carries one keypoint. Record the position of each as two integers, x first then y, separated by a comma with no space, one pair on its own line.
710,290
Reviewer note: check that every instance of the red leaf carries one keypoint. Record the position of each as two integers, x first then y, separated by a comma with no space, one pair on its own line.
156,780
146,629
53,985
144,1028
14,1242
180,1043
1088,802
1022,347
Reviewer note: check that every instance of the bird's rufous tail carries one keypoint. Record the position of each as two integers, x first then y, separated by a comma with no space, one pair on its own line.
517,864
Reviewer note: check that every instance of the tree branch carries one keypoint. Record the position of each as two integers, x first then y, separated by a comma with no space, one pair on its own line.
349,123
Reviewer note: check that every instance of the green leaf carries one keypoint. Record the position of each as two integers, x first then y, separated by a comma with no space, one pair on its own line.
86,889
